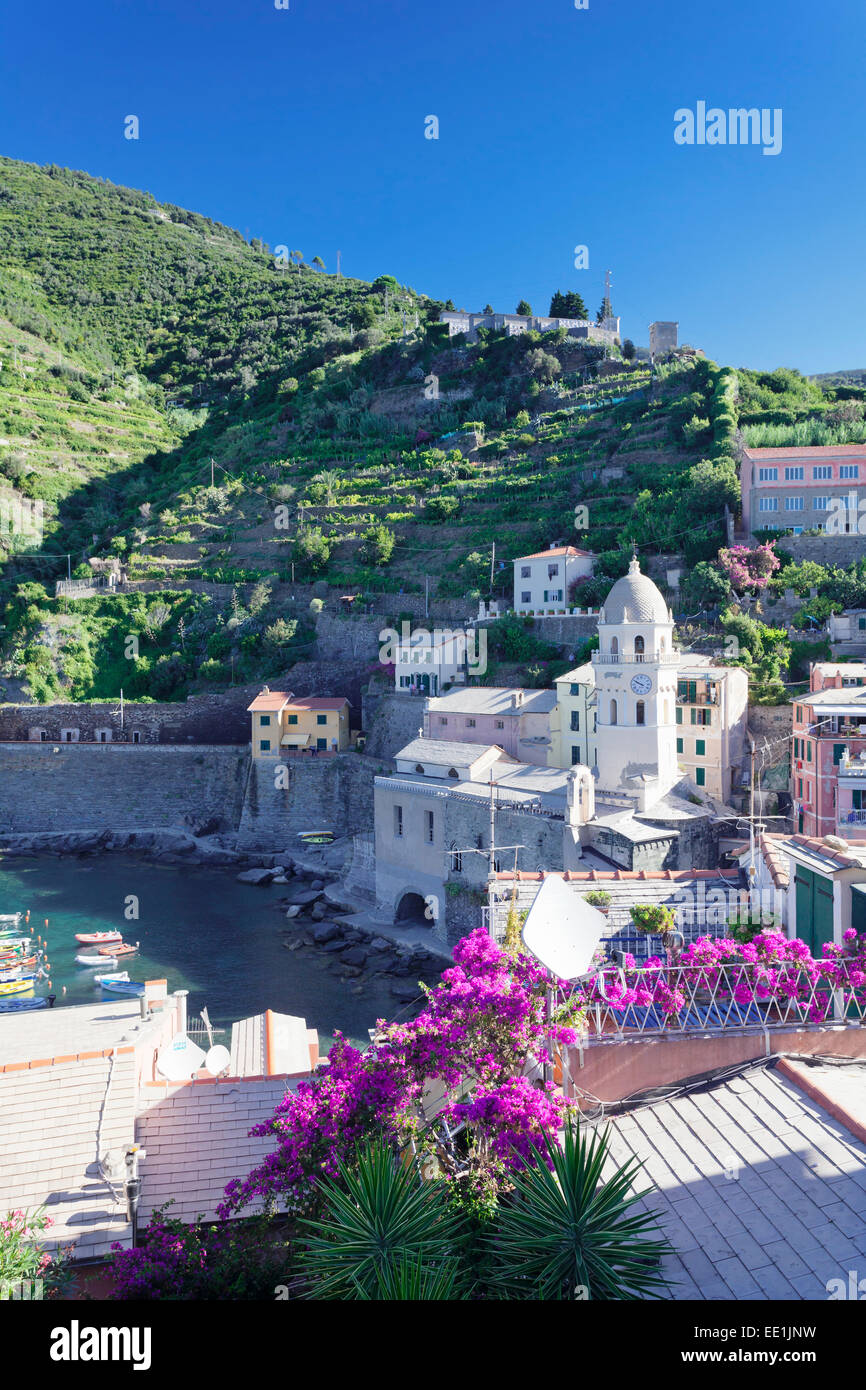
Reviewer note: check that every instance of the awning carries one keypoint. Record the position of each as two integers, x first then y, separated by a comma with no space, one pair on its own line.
294,740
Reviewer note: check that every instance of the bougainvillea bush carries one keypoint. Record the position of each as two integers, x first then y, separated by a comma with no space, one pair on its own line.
480,1041
176,1262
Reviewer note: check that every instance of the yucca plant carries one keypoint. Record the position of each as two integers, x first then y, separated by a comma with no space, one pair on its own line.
566,1234
382,1231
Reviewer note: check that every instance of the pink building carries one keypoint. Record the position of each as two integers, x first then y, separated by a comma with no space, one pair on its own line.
828,756
795,489
517,721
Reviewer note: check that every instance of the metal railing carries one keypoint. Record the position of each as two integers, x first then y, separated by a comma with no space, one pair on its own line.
667,1000
852,818
630,658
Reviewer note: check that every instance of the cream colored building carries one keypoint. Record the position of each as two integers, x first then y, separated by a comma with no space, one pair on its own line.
573,719
281,724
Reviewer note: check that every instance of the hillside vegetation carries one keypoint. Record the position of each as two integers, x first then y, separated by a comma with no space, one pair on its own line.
210,413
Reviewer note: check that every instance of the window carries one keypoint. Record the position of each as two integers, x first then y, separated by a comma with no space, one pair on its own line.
265,745
794,475
679,745
808,752
640,712
575,721
136,737
861,624
456,861
429,825
821,504
768,475
443,719
575,754
552,571
849,470
575,689
321,744
470,723
687,691
639,646
321,719
800,788
398,821
838,750
613,711
822,472
679,715
702,716
700,748
768,504
614,646
793,504
293,719
499,724
264,719
701,776
526,596
525,571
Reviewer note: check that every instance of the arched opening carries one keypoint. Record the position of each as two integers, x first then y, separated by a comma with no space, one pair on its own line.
614,646
412,908
452,772
419,768
661,644
667,713
638,646
613,711
640,713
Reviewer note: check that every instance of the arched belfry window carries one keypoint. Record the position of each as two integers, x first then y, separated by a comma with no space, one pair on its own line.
640,712
639,645
661,644
614,646
613,711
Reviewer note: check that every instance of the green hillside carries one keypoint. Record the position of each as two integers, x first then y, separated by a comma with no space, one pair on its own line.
190,404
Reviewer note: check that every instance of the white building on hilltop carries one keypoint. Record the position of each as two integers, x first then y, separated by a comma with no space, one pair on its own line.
542,580
636,683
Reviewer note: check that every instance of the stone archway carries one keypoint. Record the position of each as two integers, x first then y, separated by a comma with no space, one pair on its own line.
412,909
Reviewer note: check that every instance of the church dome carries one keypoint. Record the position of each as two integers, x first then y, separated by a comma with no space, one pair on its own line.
635,599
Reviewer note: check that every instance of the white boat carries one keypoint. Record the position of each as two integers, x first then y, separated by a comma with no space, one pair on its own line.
121,978
10,918
90,960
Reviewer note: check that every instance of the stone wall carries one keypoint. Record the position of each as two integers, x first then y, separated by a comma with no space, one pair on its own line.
333,793
121,787
391,721
770,721
211,719
827,550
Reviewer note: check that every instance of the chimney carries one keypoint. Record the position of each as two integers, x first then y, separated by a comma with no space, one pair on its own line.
516,699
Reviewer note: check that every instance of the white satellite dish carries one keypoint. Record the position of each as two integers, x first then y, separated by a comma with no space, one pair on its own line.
217,1059
562,930
180,1059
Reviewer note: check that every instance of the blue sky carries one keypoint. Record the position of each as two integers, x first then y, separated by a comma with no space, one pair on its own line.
305,127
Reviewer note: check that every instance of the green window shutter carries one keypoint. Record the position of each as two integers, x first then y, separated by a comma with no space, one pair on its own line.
700,748
808,752
679,715
838,750
694,716
679,745
700,776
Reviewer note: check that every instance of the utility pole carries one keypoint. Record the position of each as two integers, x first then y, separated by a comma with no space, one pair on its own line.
211,472
426,595
491,856
492,559
338,265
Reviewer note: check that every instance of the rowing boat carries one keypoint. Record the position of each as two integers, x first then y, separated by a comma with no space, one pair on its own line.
90,960
126,987
18,986
122,948
16,1006
98,938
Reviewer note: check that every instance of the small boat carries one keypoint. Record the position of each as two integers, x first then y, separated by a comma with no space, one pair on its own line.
121,978
10,917
125,987
15,943
98,938
18,962
316,837
20,1006
21,986
121,949
90,960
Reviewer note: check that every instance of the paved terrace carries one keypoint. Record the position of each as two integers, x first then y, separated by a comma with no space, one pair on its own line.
762,1192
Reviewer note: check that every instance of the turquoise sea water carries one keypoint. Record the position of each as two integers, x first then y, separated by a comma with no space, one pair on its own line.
198,928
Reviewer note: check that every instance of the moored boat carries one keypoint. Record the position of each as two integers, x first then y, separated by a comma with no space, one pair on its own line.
18,962
13,918
98,938
120,978
126,987
122,948
86,959
19,1006
21,986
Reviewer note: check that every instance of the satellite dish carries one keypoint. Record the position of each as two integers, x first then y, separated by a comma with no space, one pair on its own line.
562,930
217,1059
180,1059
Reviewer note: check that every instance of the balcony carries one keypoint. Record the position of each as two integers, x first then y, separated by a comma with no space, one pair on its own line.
849,818
636,658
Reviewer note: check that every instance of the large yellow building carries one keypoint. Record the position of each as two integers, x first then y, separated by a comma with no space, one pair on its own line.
283,724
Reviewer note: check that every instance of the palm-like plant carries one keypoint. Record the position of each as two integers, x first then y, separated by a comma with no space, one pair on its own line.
565,1234
383,1234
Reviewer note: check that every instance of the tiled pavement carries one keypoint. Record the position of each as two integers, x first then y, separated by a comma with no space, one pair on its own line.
762,1194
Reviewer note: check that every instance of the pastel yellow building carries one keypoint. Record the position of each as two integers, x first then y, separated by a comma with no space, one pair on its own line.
283,724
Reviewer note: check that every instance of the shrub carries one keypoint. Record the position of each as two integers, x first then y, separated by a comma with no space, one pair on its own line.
175,1262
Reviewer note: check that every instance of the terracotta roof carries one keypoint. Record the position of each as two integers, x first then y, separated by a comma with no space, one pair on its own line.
270,700
773,855
817,846
570,550
598,875
337,702
817,451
